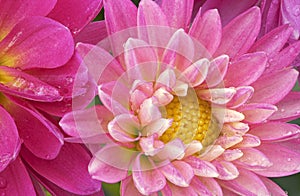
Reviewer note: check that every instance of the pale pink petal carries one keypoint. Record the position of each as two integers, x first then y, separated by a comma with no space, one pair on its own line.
146,177
172,150
285,160
128,187
288,108
66,12
162,97
247,183
148,113
290,15
253,159
246,69
192,148
178,12
257,112
272,187
237,127
200,188
272,88
276,131
180,89
196,73
93,33
226,170
207,29
9,139
217,95
231,155
202,168
157,127
212,153
249,141
242,95
217,70
178,172
228,141
149,13
13,12
243,28
69,170
15,180
179,191
212,185
23,45
227,115
124,128
167,79
150,145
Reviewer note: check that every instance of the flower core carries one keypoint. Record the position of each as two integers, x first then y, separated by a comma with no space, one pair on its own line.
192,120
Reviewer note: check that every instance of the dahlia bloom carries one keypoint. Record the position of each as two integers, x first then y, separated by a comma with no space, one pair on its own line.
196,109
37,56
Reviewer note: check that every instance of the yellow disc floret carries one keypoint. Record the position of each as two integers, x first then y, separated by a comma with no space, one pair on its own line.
192,120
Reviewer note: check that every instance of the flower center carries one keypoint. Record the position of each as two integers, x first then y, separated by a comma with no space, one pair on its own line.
192,120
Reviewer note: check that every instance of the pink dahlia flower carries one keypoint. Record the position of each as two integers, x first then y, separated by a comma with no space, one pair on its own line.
189,109
37,56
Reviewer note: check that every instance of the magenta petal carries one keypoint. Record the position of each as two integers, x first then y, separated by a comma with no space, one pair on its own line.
272,88
272,187
178,12
149,13
9,139
257,112
246,69
285,160
290,15
39,134
276,131
239,35
288,108
67,13
93,33
146,177
19,83
14,180
14,11
247,183
253,159
69,170
207,29
242,95
23,45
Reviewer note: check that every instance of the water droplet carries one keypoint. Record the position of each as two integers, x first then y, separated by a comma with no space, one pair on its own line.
289,159
282,110
3,183
47,156
69,80
3,194
296,10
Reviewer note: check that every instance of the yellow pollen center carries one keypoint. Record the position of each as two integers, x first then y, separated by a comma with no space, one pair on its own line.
192,120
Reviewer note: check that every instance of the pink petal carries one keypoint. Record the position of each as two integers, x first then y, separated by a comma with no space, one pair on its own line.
200,188
178,173
249,141
13,12
212,185
217,70
40,135
162,97
227,115
15,82
285,160
166,79
217,95
23,45
290,15
178,191
15,180
229,141
241,96
178,13
148,113
272,42
272,187
90,125
202,168
288,108
92,33
69,170
124,128
249,68
149,13
243,28
247,183
276,131
212,153
146,177
66,12
196,73
119,15
253,159
172,150
272,88
257,112
207,29
128,187
231,155
227,170
9,139
157,127
271,15
150,145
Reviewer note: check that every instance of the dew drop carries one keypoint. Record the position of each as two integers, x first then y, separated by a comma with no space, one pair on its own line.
296,10
3,183
3,194
289,159
47,156
282,110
